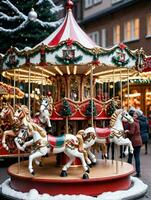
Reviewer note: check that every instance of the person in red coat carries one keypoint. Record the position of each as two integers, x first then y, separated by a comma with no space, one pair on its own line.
135,137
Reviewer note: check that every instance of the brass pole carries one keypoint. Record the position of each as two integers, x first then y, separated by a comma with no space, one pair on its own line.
91,85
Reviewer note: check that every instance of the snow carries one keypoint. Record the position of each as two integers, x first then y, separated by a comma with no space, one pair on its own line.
24,19
137,190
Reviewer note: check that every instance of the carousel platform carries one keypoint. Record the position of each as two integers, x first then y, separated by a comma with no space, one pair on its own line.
103,177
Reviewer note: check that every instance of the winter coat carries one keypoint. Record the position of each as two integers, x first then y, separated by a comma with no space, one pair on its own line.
144,128
134,133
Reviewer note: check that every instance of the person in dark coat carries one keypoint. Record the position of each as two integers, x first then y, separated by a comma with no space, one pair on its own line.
134,135
144,128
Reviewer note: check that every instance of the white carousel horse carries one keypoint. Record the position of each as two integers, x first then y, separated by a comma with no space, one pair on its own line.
45,113
67,143
114,134
7,116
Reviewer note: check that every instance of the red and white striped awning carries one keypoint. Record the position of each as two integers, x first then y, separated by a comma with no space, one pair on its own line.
69,29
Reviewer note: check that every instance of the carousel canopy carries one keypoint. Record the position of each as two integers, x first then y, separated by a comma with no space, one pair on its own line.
69,30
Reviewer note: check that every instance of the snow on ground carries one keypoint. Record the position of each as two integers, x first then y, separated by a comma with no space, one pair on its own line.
138,189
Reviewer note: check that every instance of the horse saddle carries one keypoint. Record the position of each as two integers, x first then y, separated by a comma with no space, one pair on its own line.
56,141
102,132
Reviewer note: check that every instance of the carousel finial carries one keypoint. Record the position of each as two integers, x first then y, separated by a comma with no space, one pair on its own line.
69,4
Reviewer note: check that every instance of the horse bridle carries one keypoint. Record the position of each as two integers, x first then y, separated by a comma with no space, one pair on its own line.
18,117
25,134
45,106
123,116
89,137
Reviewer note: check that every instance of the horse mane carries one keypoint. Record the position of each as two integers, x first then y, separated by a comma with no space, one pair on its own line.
114,117
39,129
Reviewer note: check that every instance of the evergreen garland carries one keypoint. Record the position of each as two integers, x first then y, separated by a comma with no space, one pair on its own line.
110,109
88,112
67,61
119,63
65,109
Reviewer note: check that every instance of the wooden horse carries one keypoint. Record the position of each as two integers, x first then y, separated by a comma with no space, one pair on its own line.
43,117
113,134
11,128
67,143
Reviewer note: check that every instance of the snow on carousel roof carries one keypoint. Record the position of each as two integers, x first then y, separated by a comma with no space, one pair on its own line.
69,29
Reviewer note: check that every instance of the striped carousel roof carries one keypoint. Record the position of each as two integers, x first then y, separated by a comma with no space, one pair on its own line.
69,29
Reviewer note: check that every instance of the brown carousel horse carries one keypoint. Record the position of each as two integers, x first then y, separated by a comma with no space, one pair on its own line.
9,127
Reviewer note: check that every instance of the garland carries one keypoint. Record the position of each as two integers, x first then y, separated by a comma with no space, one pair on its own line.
88,111
119,63
68,61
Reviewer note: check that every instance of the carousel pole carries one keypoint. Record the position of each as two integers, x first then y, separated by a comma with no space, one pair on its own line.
29,89
128,88
14,99
42,84
91,86
121,104
113,84
14,102
121,88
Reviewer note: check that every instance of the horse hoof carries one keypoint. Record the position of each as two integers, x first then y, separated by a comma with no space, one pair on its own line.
6,148
63,173
93,163
85,176
32,173
88,170
90,165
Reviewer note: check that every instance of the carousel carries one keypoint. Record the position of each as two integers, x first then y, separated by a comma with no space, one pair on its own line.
71,104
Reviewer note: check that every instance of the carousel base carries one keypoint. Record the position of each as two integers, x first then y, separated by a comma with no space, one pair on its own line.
103,177
104,182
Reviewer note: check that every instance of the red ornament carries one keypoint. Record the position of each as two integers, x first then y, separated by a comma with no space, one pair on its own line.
69,42
69,4
49,94
95,62
122,46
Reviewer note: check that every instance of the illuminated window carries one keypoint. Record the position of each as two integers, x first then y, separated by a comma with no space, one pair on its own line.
149,25
116,34
103,37
95,37
131,30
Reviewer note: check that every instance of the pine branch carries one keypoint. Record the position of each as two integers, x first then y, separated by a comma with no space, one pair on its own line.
22,16
49,24
8,18
55,8
21,26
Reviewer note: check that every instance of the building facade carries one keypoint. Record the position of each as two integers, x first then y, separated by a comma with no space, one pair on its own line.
109,22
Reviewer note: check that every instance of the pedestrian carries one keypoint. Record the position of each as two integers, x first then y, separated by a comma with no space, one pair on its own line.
134,135
144,128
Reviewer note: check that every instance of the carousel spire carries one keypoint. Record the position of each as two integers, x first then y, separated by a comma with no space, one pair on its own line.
69,4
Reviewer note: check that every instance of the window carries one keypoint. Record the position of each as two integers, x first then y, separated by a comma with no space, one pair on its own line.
95,37
97,1
88,3
116,34
103,37
131,30
115,1
149,25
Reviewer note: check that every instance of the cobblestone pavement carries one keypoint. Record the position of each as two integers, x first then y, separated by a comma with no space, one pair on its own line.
146,170
145,167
